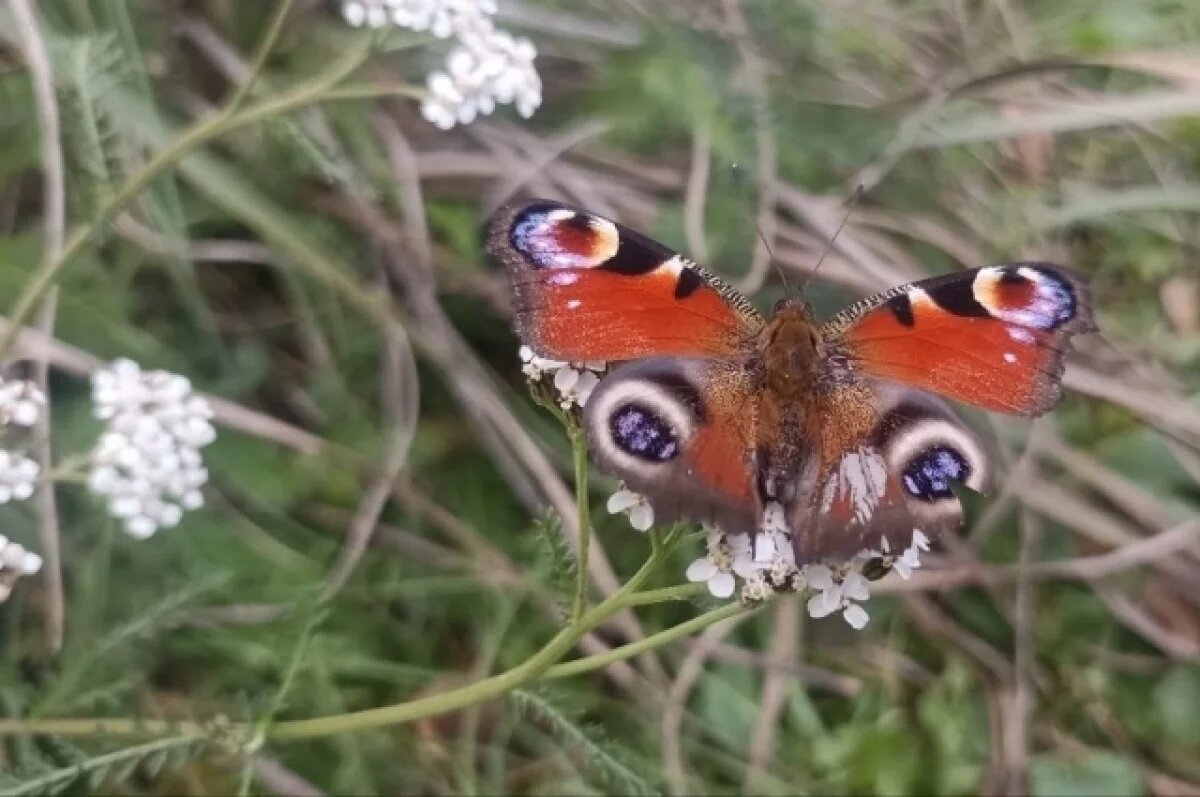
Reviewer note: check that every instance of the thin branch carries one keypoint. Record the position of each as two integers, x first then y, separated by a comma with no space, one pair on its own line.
265,46
764,142
54,220
785,641
696,193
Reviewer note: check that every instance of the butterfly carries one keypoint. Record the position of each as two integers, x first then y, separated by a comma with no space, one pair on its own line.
834,430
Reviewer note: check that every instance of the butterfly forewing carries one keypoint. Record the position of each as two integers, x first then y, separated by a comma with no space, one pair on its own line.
994,337
587,288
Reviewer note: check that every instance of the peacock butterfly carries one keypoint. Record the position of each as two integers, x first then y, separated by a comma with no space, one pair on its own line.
719,414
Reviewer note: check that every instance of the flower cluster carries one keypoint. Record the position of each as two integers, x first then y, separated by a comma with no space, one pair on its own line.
487,67
15,562
21,405
147,463
766,564
573,381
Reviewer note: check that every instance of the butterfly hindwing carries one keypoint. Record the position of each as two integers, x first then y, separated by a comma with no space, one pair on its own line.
994,337
679,432
871,494
587,288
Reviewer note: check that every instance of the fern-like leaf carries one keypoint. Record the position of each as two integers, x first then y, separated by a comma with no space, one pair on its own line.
603,756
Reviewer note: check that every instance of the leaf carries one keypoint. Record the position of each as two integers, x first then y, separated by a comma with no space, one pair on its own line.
1097,775
604,756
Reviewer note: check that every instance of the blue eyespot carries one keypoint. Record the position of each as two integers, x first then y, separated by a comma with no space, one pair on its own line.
641,433
929,474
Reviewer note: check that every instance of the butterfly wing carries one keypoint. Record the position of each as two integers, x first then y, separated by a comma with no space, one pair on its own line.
679,431
994,337
870,493
586,288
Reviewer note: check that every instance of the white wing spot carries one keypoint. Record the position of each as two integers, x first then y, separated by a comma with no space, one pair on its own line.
862,478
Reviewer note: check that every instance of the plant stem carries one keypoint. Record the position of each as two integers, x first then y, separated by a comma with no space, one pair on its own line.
579,450
263,52
651,642
527,671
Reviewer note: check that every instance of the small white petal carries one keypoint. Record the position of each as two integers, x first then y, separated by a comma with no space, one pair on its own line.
642,516
818,607
855,587
819,577
584,387
30,563
744,566
621,500
565,379
764,548
700,570
721,585
856,616
919,540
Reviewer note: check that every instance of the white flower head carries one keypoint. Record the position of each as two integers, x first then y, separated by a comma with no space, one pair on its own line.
147,464
573,381
487,67
15,562
641,514
21,402
715,568
765,563
18,476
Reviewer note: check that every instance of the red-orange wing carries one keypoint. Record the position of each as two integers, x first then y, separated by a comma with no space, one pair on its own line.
586,288
679,431
994,337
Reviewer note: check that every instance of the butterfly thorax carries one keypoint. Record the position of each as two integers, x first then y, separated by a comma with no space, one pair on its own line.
790,350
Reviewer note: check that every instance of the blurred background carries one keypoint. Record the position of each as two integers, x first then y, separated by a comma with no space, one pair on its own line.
318,267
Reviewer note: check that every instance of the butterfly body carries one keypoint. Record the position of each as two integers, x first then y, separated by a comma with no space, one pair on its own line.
716,413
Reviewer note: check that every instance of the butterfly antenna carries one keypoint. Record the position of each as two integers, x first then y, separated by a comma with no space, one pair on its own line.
787,286
851,203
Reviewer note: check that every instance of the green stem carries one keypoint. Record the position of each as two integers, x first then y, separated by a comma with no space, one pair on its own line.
261,55
488,688
642,645
221,123
676,593
579,450
541,665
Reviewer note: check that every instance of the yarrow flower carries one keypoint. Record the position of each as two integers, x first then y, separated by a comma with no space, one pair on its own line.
21,402
641,514
765,562
147,463
488,67
15,562
573,381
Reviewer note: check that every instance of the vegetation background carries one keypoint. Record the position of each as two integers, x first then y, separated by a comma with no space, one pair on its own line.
1055,649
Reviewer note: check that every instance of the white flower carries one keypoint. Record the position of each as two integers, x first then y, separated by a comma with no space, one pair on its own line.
148,463
486,68
765,562
838,591
714,569
18,476
641,514
21,402
15,562
574,381
910,560
574,387
720,582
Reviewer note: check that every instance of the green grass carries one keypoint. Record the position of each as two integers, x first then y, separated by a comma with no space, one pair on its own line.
269,254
